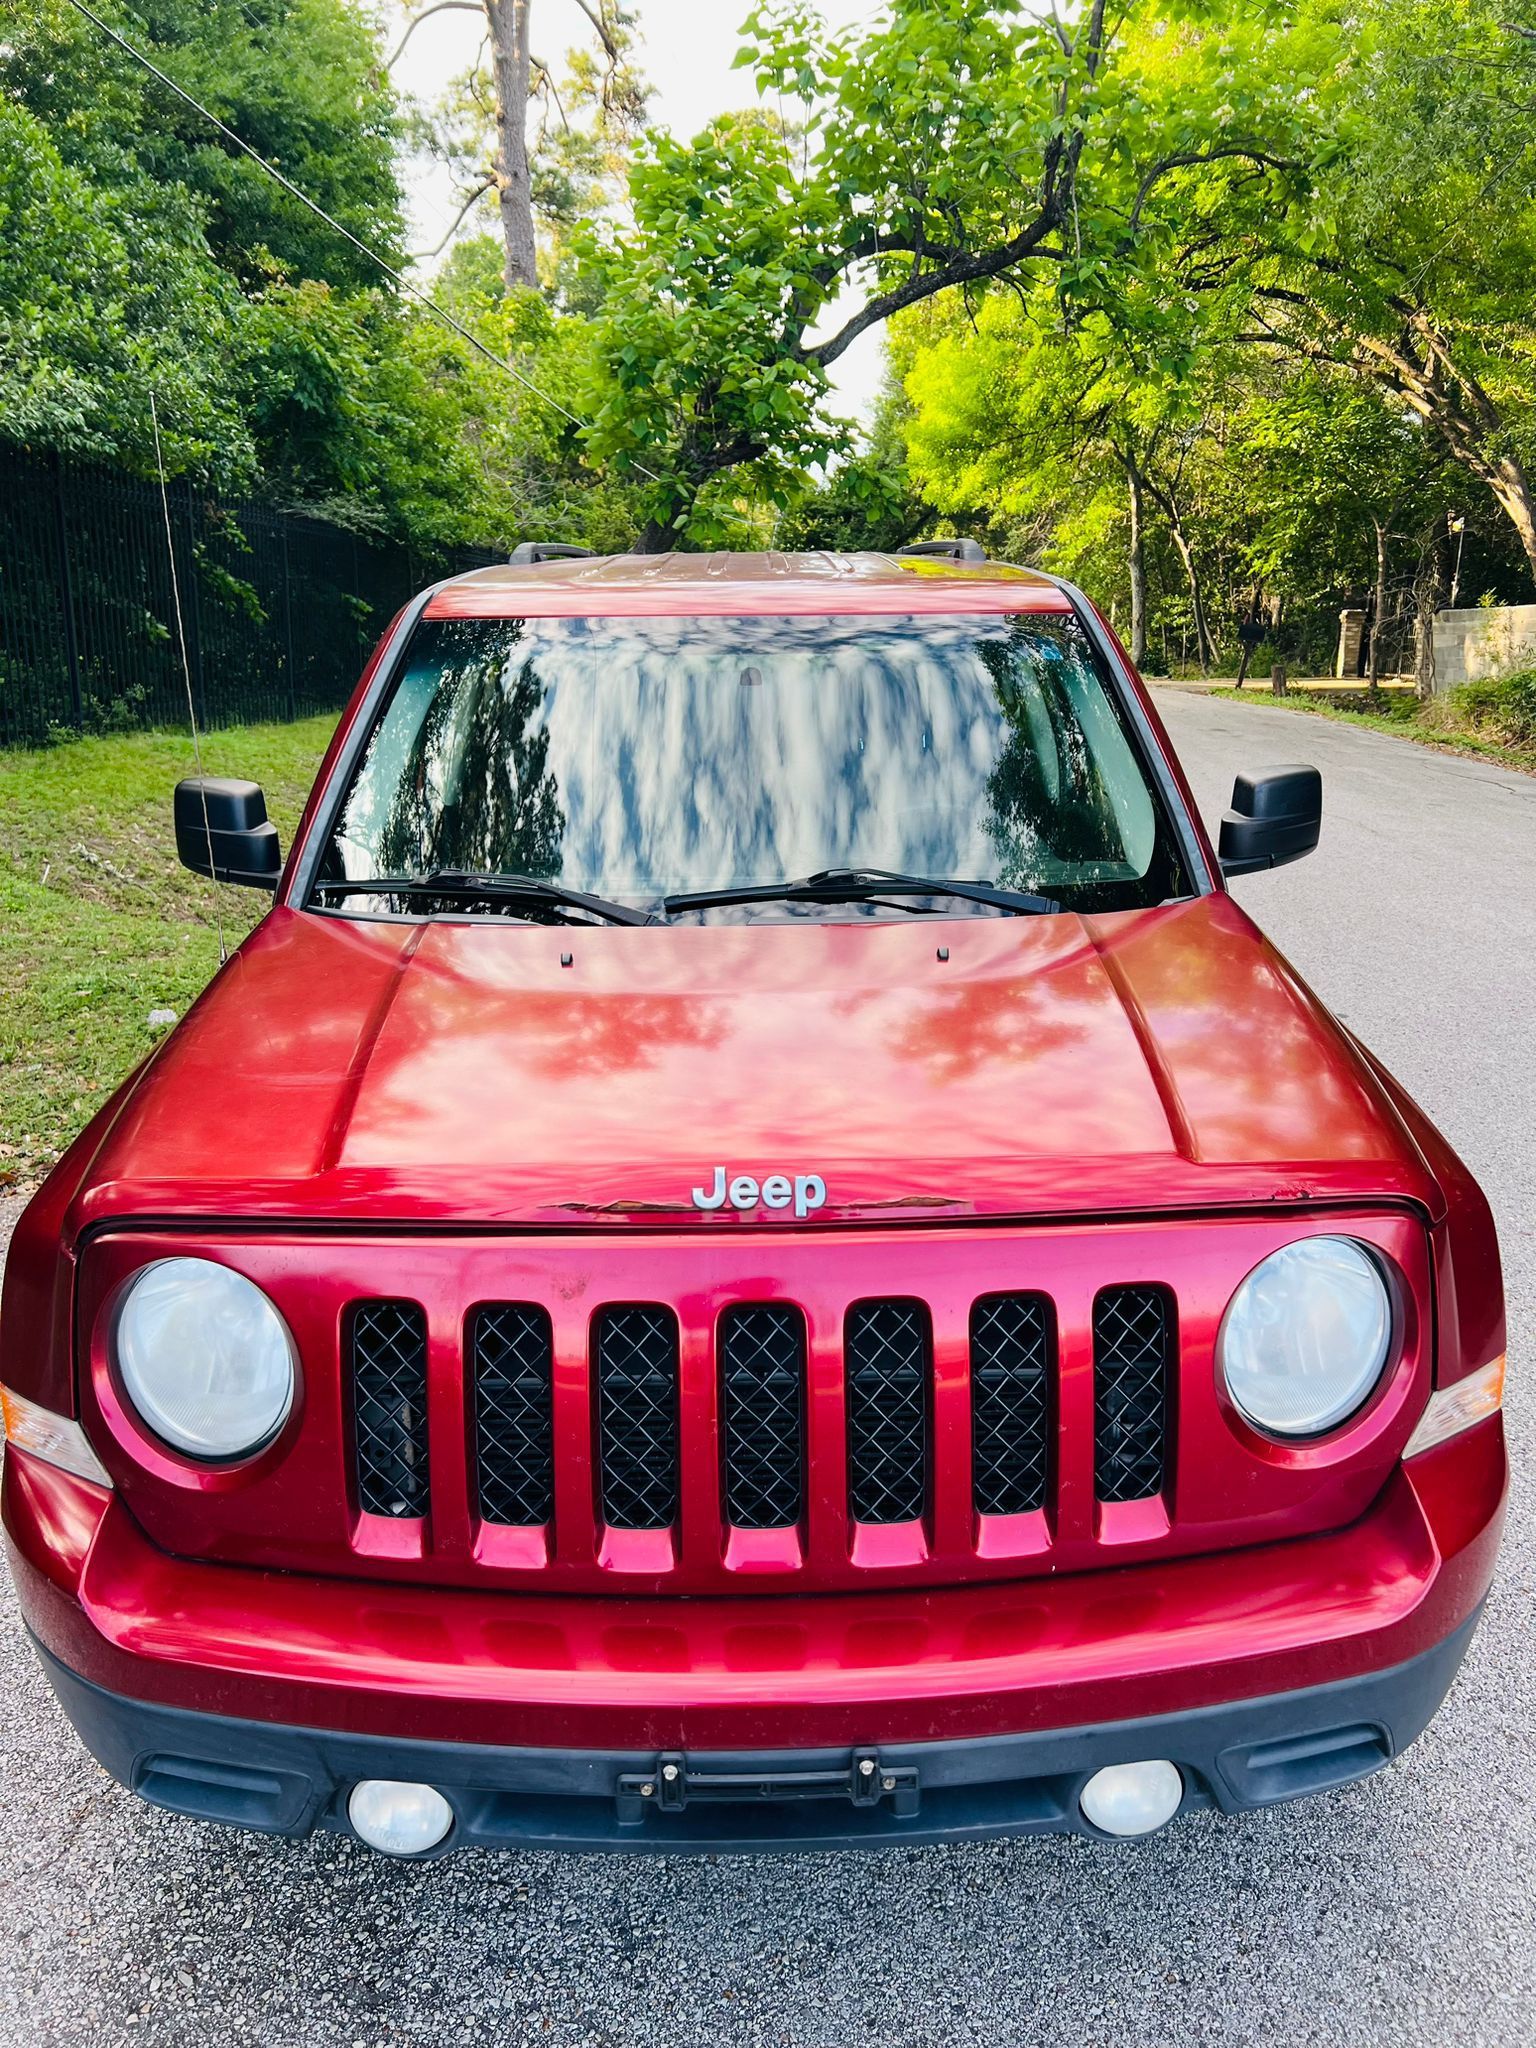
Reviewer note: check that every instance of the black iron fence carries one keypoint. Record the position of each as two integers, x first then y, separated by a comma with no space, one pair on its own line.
280,610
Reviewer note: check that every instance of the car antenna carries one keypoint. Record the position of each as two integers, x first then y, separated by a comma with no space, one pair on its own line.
186,670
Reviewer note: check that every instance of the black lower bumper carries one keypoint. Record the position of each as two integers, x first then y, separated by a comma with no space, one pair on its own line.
289,1781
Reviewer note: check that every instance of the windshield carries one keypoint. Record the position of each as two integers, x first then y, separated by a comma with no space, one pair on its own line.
640,758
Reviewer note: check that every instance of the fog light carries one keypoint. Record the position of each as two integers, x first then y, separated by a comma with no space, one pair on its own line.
399,1820
1133,1799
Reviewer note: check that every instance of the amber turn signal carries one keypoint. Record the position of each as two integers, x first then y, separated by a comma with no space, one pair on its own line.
1456,1408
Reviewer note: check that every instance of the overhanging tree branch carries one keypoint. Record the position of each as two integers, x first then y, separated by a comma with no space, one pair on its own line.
603,31
960,270
426,14
1192,159
426,255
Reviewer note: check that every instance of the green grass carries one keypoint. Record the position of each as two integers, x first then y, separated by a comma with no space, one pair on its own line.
1406,717
99,925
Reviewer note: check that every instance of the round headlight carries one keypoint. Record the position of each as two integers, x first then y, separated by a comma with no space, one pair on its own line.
206,1359
1306,1336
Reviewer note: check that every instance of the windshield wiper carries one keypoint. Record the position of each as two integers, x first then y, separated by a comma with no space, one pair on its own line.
862,885
457,884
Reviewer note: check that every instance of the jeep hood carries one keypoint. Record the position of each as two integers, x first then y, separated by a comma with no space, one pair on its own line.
936,1069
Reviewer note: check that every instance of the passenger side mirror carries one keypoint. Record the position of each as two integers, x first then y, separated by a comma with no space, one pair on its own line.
1276,816
222,831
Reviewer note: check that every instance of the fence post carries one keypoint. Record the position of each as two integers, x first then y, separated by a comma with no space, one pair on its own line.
67,592
357,623
293,680
194,609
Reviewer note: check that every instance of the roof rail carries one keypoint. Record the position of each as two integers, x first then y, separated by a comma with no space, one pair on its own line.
533,552
947,550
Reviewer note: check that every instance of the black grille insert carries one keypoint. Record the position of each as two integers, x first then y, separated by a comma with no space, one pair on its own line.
1013,1345
1133,1350
512,1353
762,1375
389,1407
887,1352
637,1420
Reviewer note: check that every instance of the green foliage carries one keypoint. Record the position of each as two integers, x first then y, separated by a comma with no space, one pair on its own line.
1329,350
1413,265
950,144
137,249
1263,268
867,502
299,80
698,354
104,295
1504,707
139,253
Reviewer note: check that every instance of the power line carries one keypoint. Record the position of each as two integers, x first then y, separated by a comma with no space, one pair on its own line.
397,277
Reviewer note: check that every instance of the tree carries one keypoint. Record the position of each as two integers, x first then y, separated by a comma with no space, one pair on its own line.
955,143
137,257
1268,485
481,129
510,24
299,80
1414,268
870,501
101,297
1020,409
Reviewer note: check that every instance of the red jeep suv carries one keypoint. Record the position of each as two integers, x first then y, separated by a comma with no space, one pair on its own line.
755,1254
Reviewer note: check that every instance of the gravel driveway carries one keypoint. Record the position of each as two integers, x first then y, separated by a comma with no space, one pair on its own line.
1402,1910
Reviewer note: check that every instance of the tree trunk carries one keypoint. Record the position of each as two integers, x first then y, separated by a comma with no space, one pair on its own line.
1429,591
1204,650
1138,565
656,539
512,68
1167,497
1248,637
1514,494
698,462
1379,616
1424,371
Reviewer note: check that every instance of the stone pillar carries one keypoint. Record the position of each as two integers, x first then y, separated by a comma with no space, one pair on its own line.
1351,641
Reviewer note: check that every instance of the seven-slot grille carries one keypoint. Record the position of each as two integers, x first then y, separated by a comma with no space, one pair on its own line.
761,1360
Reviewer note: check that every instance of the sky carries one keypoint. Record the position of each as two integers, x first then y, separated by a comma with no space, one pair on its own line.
688,47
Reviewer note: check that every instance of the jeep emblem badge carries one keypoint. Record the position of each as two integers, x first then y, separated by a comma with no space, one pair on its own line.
806,1192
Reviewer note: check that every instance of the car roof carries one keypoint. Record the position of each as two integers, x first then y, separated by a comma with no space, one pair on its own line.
742,585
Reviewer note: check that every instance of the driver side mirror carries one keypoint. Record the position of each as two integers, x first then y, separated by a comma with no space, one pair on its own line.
222,831
1276,816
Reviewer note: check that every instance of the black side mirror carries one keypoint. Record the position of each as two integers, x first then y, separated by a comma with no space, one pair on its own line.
1276,816
222,831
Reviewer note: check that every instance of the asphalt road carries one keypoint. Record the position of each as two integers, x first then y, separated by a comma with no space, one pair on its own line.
1402,1910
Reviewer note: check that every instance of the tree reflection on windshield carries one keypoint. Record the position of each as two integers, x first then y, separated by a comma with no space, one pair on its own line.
641,757
472,789
1049,796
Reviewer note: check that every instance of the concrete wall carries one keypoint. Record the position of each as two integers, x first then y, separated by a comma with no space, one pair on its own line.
1472,645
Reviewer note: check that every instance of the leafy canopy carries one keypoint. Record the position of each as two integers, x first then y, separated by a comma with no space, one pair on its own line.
952,144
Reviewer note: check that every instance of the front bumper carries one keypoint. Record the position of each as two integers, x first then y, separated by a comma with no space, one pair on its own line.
290,1781
1005,1693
